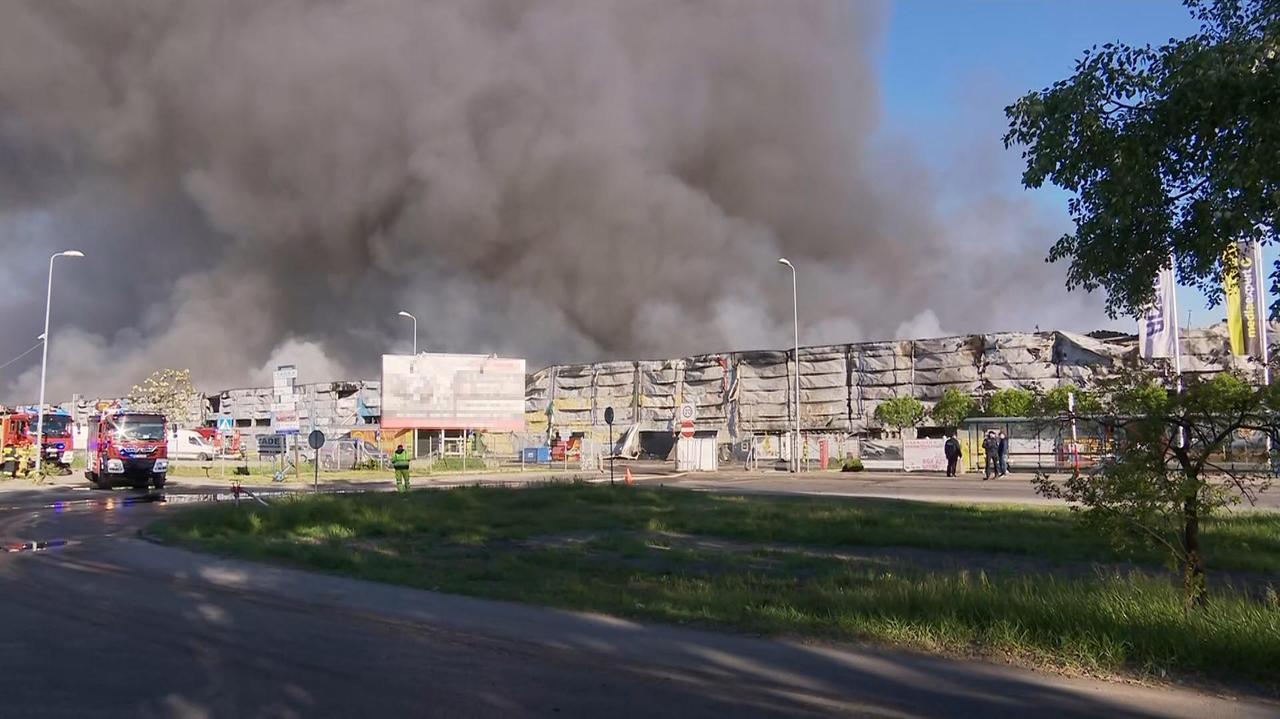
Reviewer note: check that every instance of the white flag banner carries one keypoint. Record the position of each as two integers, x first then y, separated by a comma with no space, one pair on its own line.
1158,326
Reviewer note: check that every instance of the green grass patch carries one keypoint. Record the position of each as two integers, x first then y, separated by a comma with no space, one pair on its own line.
593,547
1244,542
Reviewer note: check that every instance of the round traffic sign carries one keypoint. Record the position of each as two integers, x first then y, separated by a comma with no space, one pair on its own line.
608,415
686,430
315,439
688,412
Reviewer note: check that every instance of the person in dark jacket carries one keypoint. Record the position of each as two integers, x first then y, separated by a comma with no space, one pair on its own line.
951,448
991,448
1004,454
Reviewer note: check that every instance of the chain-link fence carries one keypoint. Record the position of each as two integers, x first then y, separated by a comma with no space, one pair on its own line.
768,450
449,451
352,453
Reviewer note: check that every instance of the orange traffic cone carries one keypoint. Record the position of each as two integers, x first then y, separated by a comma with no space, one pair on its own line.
627,478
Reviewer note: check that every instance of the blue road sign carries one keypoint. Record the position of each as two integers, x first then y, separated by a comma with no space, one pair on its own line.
226,424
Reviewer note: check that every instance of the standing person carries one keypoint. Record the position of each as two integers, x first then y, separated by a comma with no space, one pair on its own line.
1004,454
21,459
400,463
951,448
9,460
991,448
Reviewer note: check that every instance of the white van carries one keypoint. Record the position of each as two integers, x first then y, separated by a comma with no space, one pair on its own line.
185,444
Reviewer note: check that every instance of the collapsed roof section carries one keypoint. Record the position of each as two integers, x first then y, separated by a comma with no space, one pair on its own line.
840,385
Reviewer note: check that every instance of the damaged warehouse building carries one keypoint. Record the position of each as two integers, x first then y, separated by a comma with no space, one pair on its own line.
744,400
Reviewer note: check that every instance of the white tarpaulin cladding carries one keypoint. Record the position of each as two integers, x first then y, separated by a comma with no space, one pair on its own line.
740,393
443,391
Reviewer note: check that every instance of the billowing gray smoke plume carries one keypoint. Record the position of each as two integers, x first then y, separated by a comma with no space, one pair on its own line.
256,182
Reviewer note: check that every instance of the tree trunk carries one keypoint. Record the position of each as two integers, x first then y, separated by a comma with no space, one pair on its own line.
1195,590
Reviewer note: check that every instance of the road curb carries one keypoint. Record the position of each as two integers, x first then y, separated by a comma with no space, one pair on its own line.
147,536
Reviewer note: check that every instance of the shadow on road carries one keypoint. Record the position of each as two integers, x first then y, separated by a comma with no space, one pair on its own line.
349,645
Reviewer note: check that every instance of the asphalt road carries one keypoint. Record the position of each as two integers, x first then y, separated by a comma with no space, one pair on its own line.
104,624
918,486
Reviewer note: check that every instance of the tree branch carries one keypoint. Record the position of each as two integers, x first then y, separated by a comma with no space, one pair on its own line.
1119,105
1189,191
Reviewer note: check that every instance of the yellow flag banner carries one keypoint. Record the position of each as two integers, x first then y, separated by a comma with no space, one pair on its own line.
1231,287
1242,284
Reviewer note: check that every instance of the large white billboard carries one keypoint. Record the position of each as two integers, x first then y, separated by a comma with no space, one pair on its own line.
443,391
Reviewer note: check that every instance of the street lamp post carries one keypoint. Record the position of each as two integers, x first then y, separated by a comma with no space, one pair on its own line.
794,466
44,359
415,330
414,444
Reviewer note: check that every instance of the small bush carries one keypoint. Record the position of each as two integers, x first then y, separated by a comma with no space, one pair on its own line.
852,464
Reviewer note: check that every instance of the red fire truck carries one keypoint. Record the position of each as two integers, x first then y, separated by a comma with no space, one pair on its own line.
17,456
56,441
19,432
127,448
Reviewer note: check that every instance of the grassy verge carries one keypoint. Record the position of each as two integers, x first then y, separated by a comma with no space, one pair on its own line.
604,549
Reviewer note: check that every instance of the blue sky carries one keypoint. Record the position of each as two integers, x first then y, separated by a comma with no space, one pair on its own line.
948,68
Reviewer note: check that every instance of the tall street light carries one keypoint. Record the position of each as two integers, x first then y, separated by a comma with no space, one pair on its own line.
414,444
415,330
794,465
44,360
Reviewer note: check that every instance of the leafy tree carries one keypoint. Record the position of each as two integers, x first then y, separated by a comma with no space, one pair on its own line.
1170,149
900,412
1012,402
1056,401
953,408
1136,398
1168,472
168,392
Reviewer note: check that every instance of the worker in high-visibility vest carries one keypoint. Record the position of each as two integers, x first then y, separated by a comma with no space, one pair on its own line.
9,460
400,463
20,460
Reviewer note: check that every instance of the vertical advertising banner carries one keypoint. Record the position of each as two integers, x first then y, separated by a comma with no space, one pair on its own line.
1158,327
1243,286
